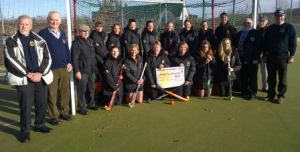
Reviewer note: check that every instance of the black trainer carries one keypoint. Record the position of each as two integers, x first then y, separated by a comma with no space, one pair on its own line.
269,98
66,117
83,112
43,129
25,137
54,121
93,107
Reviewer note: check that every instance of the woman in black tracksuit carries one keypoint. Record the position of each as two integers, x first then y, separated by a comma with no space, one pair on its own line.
156,58
112,68
206,33
189,35
170,39
205,66
114,38
149,36
184,59
131,36
133,70
224,57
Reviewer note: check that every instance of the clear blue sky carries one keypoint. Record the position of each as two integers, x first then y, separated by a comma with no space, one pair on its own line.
14,8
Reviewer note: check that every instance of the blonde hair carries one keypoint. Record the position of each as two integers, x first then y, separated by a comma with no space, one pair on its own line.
202,53
156,43
131,46
183,44
222,51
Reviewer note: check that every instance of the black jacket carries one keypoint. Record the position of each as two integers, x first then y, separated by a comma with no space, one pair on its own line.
209,36
148,39
188,62
226,31
170,41
153,63
190,37
112,69
204,71
249,49
133,71
131,37
222,67
83,56
261,34
100,46
113,40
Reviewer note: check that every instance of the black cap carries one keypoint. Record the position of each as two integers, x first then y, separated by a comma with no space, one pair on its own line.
279,12
263,18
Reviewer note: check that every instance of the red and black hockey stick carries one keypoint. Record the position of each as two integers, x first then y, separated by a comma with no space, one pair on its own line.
118,81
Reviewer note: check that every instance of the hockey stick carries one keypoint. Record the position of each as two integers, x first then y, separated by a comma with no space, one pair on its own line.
174,95
133,98
230,84
163,95
118,81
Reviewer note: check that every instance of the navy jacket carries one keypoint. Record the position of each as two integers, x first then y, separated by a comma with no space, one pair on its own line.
58,48
249,50
280,40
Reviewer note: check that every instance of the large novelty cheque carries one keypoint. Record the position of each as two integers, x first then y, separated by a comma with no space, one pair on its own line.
170,77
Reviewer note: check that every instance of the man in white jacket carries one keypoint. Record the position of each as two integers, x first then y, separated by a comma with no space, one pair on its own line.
28,62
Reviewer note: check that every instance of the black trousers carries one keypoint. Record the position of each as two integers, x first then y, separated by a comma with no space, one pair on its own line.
277,65
32,93
184,90
249,79
86,90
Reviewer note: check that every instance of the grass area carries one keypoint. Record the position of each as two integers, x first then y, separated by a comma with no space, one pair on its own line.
216,125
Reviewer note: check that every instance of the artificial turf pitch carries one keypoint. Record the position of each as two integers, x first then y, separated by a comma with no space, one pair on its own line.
214,125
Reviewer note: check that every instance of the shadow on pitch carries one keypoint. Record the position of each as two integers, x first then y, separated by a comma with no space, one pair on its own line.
8,105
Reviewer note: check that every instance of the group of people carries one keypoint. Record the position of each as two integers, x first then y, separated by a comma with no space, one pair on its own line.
39,65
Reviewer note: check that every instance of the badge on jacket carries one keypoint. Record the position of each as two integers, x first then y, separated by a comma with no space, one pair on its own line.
64,41
252,39
188,63
282,30
31,43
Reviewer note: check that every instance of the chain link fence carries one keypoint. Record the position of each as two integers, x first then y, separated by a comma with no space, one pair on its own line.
112,11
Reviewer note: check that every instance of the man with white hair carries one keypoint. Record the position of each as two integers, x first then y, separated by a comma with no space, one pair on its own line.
61,67
248,49
28,62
